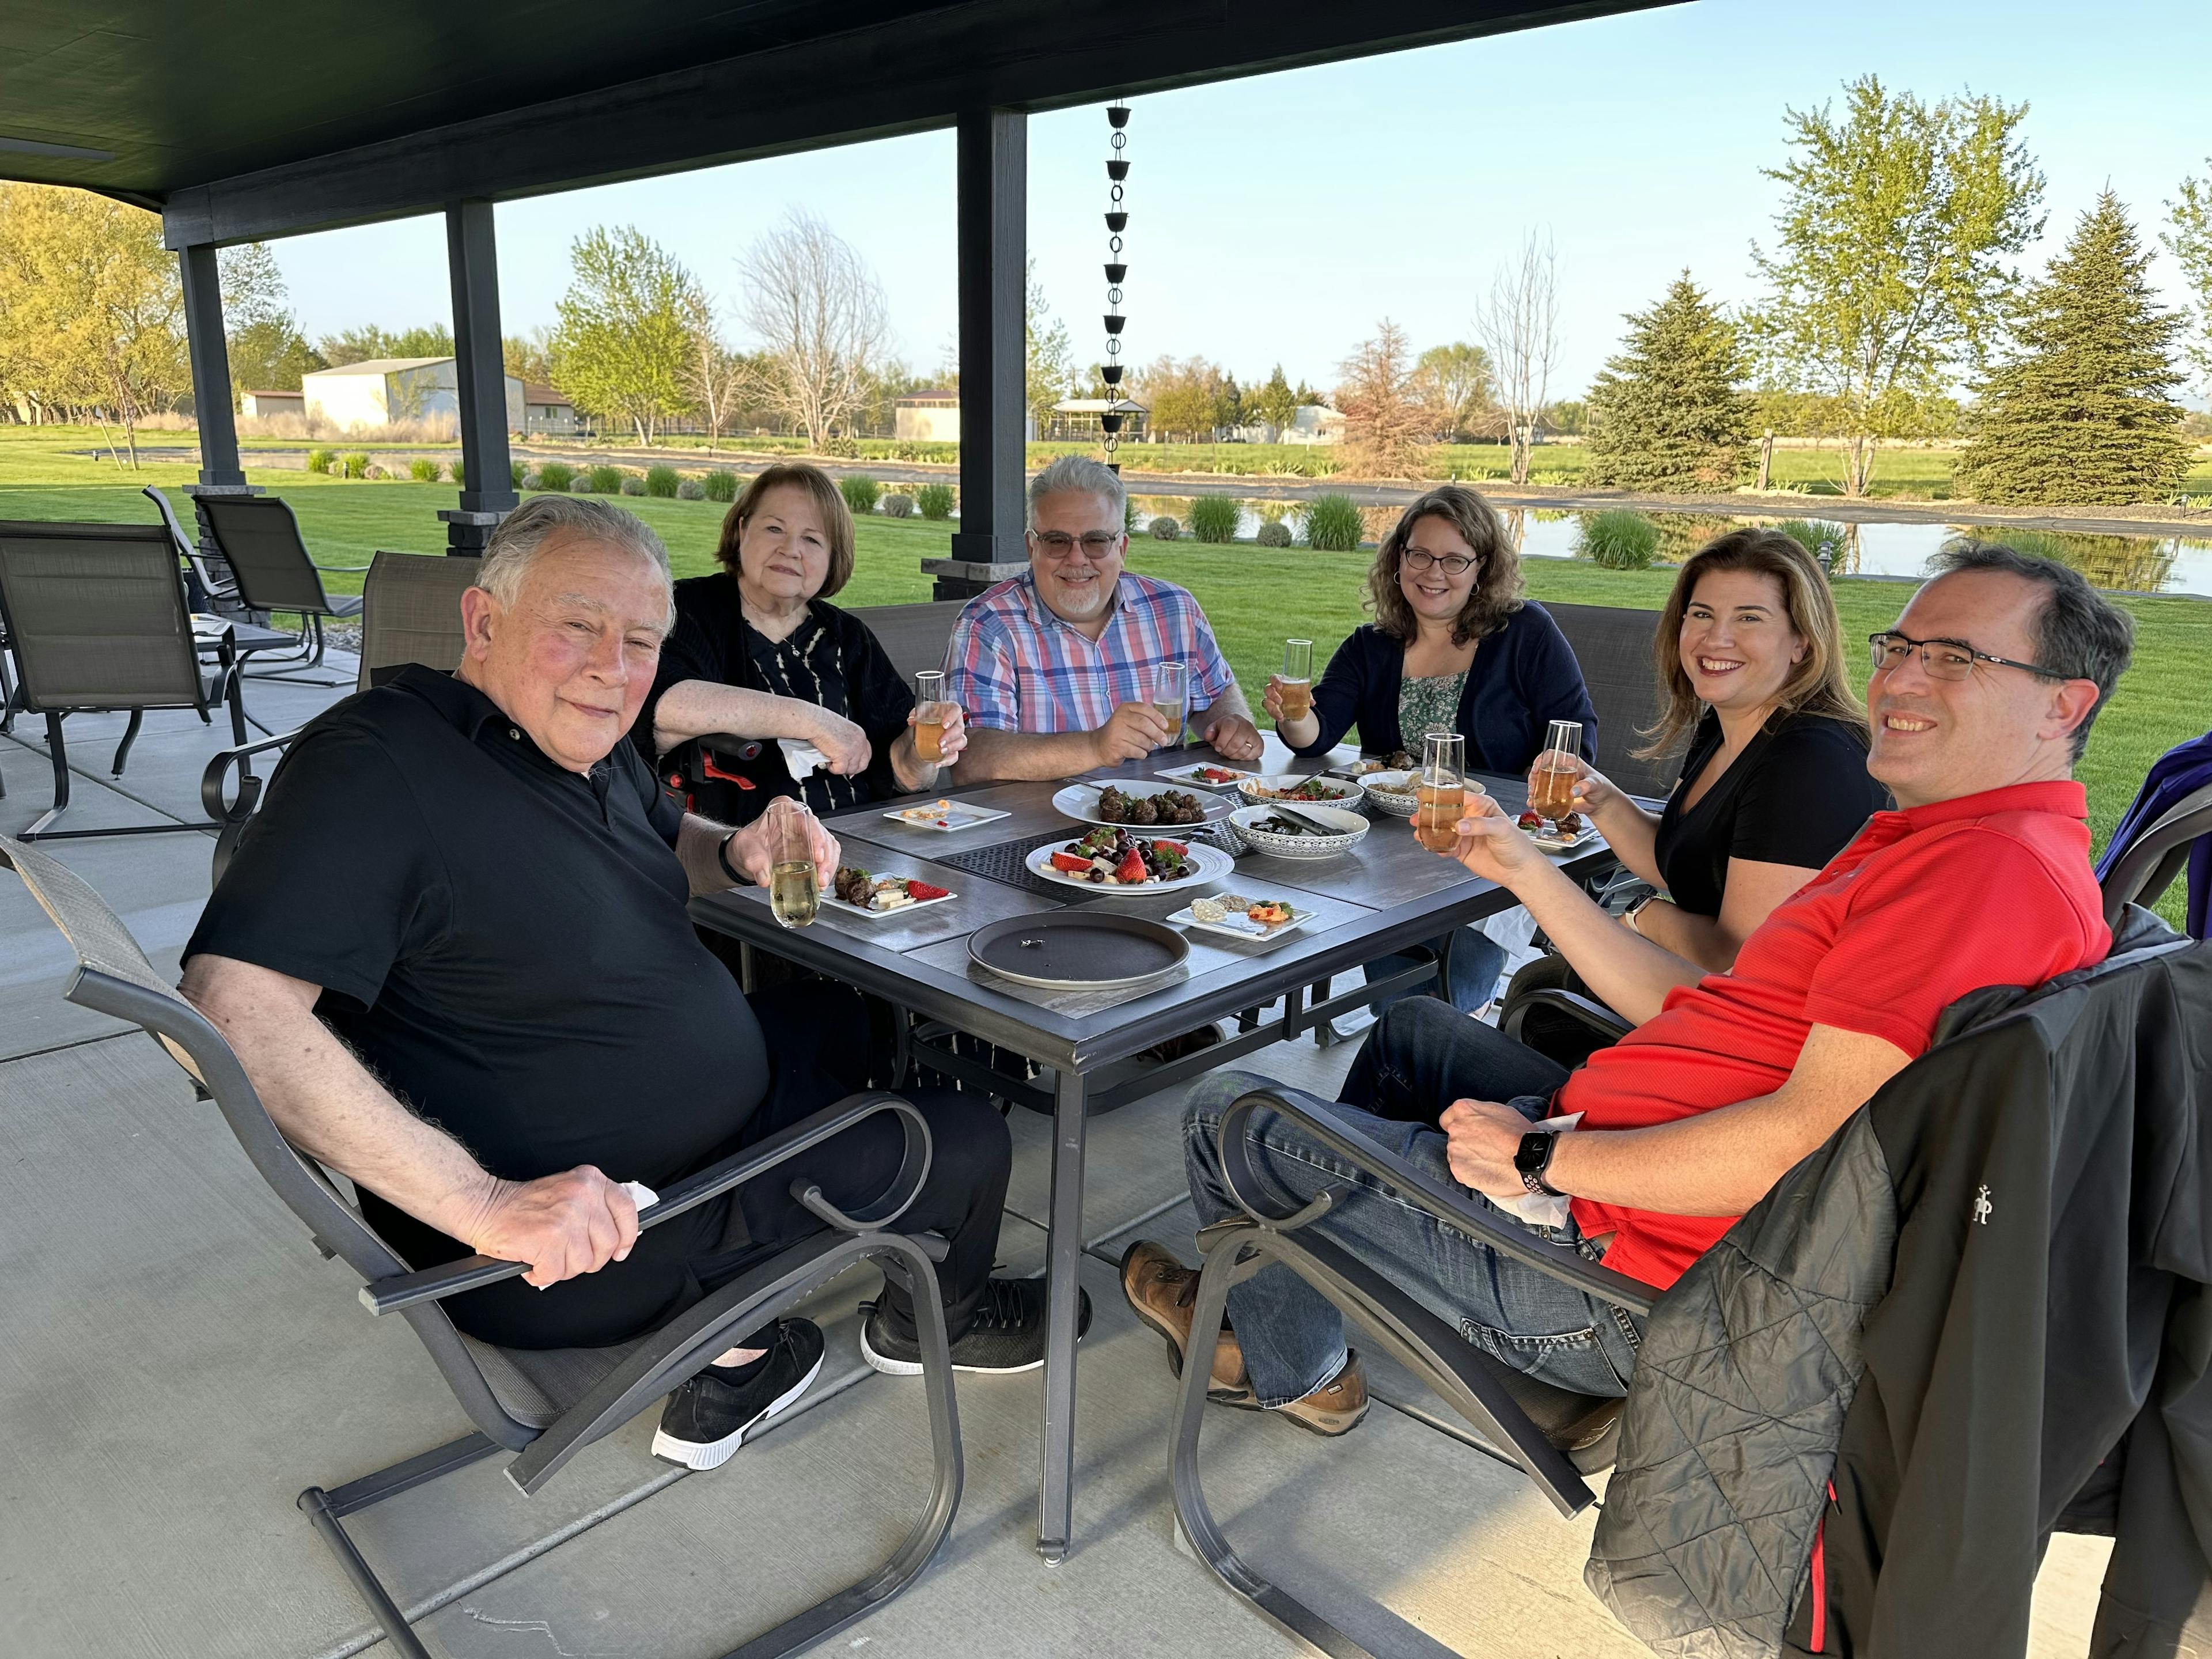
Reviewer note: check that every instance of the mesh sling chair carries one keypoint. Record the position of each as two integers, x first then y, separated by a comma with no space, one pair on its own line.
411,613
259,537
95,616
544,1406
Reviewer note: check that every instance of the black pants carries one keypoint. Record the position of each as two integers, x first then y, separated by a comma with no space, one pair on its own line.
1423,1054
809,1031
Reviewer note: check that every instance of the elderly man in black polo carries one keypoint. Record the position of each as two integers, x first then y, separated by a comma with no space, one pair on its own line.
452,953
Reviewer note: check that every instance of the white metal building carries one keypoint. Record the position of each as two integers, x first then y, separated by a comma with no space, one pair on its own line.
386,390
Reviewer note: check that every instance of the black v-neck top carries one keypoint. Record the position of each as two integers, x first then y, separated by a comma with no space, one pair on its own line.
1797,794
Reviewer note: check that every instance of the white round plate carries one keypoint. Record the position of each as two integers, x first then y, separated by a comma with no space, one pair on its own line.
1246,819
1213,864
1079,801
1343,792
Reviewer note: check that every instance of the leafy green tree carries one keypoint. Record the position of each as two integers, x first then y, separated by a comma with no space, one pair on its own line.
2083,411
267,350
623,345
1669,411
1049,371
370,343
1898,223
1463,384
1273,402
529,357
1184,397
2188,239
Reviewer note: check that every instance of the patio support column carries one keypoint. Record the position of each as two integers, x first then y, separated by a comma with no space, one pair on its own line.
220,474
487,484
993,170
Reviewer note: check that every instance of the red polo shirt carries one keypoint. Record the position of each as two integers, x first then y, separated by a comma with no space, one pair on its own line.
1924,907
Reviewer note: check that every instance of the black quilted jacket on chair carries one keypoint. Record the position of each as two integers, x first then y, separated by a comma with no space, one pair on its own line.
1979,1314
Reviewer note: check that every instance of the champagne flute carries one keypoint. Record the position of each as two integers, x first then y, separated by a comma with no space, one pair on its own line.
794,891
929,717
1295,684
1170,681
1441,799
1552,783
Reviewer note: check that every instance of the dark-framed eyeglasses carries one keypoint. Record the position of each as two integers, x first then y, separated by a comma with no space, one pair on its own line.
1059,545
1945,660
1451,564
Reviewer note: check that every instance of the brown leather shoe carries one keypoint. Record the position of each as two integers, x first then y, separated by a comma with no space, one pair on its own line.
1164,1293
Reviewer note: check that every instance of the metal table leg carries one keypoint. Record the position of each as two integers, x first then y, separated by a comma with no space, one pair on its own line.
1064,1258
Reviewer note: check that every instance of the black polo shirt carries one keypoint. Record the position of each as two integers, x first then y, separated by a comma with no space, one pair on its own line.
501,940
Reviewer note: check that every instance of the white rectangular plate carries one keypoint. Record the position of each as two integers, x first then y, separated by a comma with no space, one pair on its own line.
959,815
1550,844
1238,926
1188,778
878,916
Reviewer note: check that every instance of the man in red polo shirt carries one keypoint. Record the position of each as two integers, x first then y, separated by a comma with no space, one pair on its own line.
1980,703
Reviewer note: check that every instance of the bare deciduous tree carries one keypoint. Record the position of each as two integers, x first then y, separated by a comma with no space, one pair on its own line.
819,315
1389,419
719,380
1519,323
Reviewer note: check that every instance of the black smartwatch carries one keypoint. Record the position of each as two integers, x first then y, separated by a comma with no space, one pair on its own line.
737,877
1532,1157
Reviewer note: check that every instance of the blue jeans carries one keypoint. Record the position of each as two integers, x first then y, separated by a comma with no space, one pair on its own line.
1477,960
1419,1059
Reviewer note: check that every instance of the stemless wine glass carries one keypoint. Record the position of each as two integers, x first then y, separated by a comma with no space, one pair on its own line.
794,893
1442,797
1295,682
1551,781
1171,682
929,717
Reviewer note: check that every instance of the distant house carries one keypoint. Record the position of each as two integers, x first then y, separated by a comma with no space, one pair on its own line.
1077,419
930,416
386,390
261,404
544,409
1314,423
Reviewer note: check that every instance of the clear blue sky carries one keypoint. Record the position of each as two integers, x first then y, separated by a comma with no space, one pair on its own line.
1277,218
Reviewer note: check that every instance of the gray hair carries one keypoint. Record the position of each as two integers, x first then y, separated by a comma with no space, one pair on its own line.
522,535
1079,475
2079,634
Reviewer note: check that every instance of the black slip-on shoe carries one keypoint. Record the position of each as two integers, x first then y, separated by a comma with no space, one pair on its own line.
706,1419
1006,1336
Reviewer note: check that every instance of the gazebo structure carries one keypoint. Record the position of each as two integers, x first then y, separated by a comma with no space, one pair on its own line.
240,123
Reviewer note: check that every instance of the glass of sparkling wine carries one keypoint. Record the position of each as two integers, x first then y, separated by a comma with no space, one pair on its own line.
1441,796
794,893
1551,781
929,717
1295,683
1171,680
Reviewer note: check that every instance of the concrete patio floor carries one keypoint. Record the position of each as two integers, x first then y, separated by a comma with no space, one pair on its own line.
180,1363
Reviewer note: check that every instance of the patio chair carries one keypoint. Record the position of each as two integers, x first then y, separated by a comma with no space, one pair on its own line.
258,537
95,618
411,613
545,1406
1555,1437
913,636
1614,647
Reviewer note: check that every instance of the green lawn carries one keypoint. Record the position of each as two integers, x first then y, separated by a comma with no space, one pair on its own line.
1255,599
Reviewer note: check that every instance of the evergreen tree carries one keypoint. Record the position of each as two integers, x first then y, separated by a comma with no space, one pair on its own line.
1273,402
2083,411
1669,412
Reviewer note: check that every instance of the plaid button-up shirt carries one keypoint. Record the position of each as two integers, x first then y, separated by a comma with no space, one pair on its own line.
1014,665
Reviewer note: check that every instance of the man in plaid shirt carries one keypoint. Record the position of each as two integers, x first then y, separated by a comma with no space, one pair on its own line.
1055,669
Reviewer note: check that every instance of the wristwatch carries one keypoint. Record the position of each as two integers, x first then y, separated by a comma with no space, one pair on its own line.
1532,1157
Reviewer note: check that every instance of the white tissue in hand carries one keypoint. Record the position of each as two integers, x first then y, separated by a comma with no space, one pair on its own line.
641,1194
1540,1209
801,759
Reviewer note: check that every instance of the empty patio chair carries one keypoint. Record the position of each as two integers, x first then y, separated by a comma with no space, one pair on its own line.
411,613
96,621
259,539
1613,646
546,1406
1557,1436
913,636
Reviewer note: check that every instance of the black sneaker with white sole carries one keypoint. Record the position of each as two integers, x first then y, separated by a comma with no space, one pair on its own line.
706,1419
1007,1335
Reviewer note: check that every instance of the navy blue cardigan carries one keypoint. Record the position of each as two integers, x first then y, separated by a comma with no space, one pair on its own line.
1523,677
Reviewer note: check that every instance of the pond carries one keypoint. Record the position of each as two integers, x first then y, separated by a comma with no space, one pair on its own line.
2136,564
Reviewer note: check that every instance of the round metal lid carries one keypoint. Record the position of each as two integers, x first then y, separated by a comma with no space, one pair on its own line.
1079,950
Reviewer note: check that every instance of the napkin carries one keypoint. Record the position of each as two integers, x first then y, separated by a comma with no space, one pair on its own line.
800,758
1540,1209
641,1194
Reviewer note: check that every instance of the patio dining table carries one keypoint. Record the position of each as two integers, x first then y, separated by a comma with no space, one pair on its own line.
1385,896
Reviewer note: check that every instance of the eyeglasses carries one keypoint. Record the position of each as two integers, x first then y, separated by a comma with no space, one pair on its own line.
1059,545
1451,563
1945,660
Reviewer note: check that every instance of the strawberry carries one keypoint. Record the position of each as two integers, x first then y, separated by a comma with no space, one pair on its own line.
1070,863
1175,847
1132,869
918,890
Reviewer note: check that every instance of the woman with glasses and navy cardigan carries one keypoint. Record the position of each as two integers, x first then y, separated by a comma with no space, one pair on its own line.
1452,647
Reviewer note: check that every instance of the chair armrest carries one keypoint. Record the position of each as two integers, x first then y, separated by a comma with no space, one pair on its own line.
1451,1204
249,785
1596,1015
346,570
473,1273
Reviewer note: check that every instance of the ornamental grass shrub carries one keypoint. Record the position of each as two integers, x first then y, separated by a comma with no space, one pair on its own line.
1165,529
661,480
1827,542
860,495
422,471
896,507
721,485
606,480
1214,518
320,461
356,465
935,500
555,475
1618,539
1332,523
